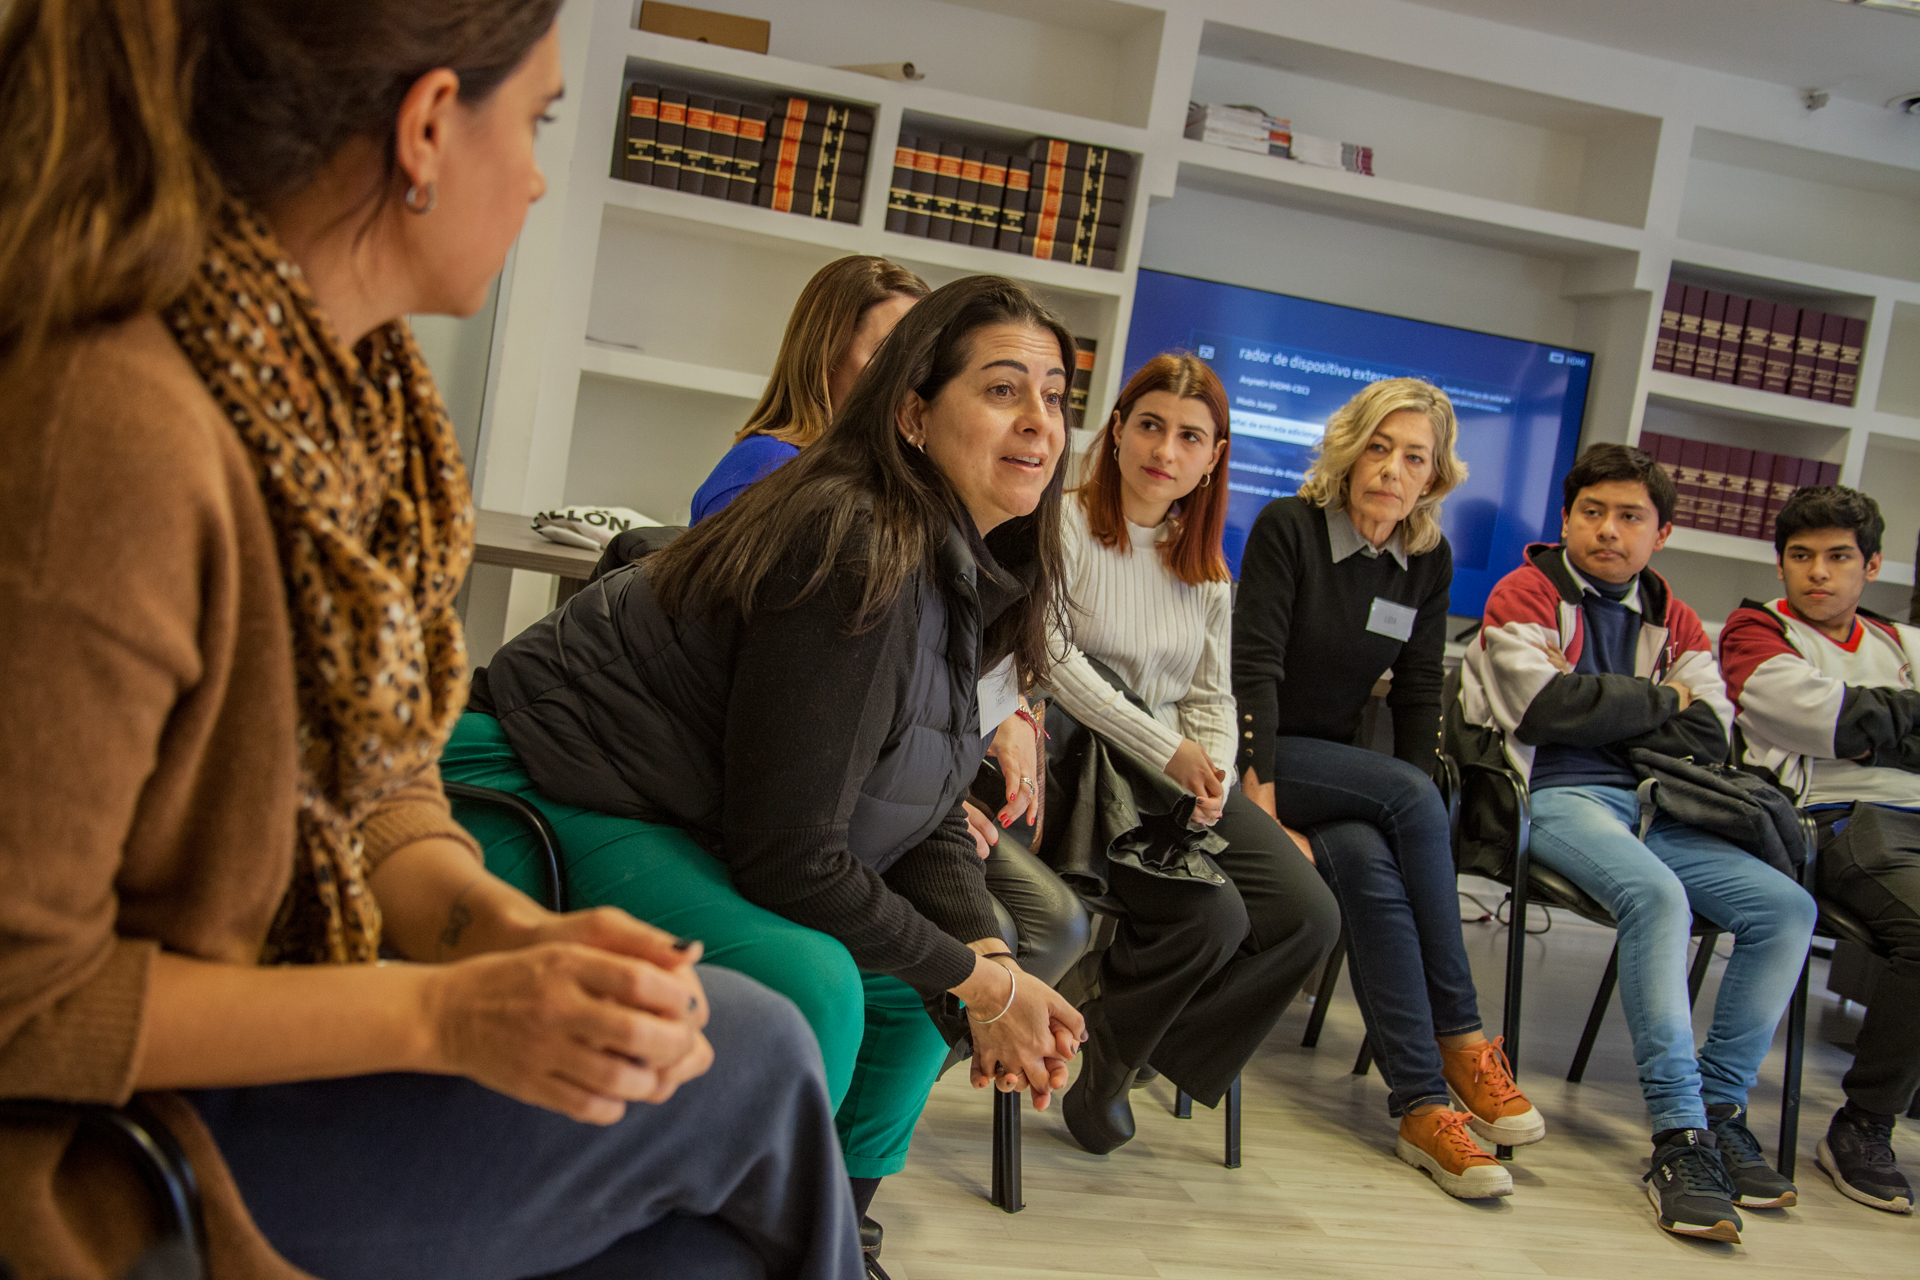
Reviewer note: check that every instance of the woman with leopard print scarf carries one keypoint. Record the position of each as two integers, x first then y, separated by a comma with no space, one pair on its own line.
220,755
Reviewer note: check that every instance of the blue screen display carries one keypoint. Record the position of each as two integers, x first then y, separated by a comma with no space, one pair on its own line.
1288,364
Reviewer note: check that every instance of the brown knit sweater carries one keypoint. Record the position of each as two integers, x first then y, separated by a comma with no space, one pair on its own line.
147,769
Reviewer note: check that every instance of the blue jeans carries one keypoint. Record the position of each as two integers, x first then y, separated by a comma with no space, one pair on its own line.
1653,890
1379,833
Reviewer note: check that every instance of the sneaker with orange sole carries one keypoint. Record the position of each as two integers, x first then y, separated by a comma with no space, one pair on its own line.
1439,1143
1481,1083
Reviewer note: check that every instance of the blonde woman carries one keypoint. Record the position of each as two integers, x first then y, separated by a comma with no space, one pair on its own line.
1344,581
841,318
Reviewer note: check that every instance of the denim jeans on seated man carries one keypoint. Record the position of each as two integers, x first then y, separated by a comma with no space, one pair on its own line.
1653,889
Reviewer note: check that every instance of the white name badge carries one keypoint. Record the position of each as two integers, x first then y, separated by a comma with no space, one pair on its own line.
999,695
1395,621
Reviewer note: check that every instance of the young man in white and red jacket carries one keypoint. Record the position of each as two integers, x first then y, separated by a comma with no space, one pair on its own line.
1827,701
1584,653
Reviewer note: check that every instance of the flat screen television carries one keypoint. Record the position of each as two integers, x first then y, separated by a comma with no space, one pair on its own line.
1289,363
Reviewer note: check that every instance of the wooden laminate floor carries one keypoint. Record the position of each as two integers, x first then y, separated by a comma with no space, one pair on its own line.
1320,1193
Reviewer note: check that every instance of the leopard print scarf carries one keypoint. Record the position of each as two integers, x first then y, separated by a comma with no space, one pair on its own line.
358,463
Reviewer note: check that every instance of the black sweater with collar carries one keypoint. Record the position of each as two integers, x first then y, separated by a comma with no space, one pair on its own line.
1304,663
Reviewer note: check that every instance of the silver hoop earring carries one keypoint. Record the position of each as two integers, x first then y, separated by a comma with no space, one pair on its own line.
1206,479
413,201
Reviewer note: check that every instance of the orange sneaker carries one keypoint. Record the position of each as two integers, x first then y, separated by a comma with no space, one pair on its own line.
1439,1143
1482,1085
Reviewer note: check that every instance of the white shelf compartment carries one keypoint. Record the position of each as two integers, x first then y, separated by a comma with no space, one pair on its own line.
609,360
1731,400
1760,551
1810,282
1430,211
785,74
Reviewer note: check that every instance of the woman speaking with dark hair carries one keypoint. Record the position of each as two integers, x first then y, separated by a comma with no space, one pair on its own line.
1202,966
222,807
842,316
1342,582
760,735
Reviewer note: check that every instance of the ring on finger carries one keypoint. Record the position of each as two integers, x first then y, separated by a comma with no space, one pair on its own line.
1026,783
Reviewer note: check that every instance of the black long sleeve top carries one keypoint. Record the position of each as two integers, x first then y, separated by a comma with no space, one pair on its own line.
1304,661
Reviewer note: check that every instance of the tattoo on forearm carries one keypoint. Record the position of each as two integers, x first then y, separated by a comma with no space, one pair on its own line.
459,916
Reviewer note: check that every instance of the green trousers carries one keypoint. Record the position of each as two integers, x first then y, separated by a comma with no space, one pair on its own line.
881,1050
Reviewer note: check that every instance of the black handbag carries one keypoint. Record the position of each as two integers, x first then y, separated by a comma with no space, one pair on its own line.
1740,807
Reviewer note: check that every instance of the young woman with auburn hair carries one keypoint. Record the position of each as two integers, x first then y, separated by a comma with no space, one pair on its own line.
231,690
1200,971
840,319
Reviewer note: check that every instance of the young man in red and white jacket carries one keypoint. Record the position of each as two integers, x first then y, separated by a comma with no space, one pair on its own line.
1584,654
1827,701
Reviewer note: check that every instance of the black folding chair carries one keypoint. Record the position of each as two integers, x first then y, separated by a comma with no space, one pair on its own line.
545,840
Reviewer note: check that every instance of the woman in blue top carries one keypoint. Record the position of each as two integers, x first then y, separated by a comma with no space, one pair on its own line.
843,315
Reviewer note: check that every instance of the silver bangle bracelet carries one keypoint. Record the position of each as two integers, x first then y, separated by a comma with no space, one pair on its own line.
1013,989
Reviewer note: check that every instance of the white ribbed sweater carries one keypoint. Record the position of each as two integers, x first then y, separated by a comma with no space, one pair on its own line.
1168,640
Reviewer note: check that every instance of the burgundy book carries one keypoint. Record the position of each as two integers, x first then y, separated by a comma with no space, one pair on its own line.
1786,478
1732,333
1666,452
1713,488
1752,369
1846,375
1686,341
1827,360
1779,371
1713,313
1686,479
1669,327
1759,490
1806,354
1827,473
1733,498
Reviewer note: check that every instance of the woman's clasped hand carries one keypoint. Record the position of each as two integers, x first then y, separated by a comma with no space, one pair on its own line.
1024,1032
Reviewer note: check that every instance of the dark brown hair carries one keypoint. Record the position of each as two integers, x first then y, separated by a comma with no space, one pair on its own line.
125,121
1193,554
862,473
1831,506
1604,463
796,406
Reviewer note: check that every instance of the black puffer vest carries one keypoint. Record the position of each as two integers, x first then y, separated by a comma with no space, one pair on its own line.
613,705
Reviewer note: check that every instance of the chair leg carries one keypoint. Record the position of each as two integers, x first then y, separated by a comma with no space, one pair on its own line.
1790,1082
1006,1152
1182,1104
1362,1063
1329,979
1697,976
1233,1124
1598,1014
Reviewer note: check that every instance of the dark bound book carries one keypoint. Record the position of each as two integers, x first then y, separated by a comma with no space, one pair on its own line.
1081,385
1779,370
900,197
1753,524
1733,495
1013,211
966,213
1686,343
1713,488
724,140
642,126
946,195
993,195
1733,330
1669,327
1827,473
749,149
672,150
1846,374
1687,480
1806,354
1753,345
1786,477
699,162
1713,312
1827,360
926,172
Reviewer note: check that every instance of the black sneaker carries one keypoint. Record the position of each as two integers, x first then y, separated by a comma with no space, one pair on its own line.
1756,1184
1857,1154
1690,1190
871,1234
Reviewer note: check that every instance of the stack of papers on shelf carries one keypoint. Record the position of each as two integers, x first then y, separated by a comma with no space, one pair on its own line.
1326,153
1244,128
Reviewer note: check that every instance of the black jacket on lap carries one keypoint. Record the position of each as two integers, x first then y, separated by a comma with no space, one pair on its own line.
824,769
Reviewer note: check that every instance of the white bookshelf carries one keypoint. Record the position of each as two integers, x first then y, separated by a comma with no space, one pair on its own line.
1530,185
